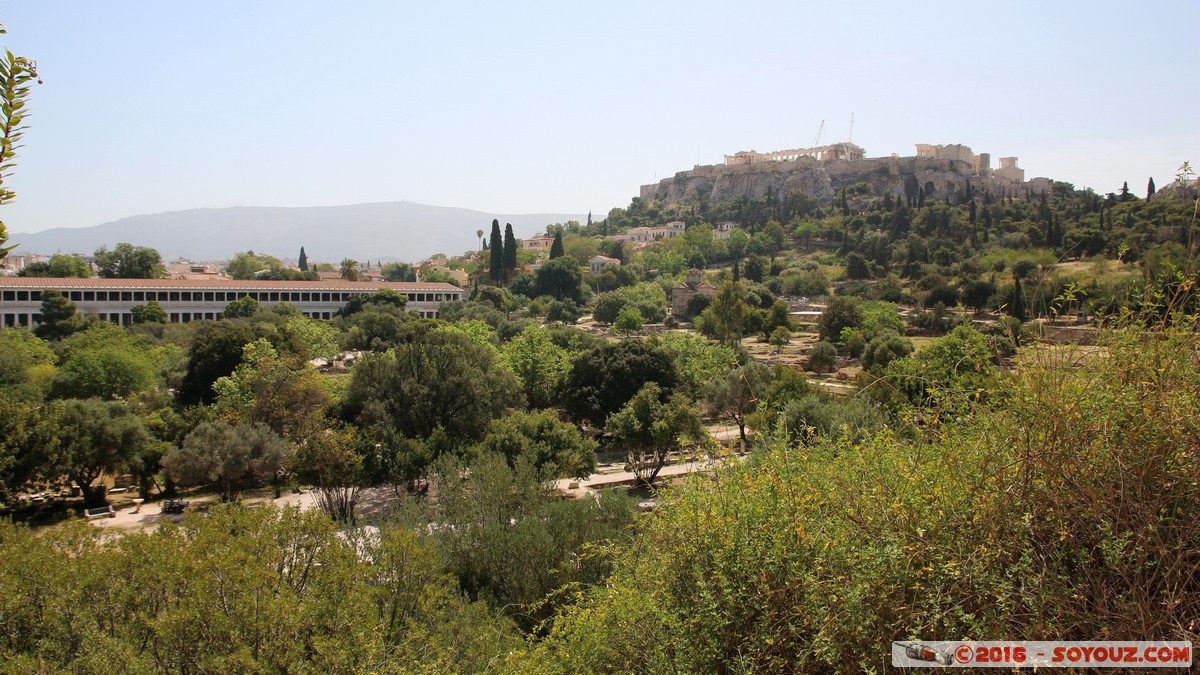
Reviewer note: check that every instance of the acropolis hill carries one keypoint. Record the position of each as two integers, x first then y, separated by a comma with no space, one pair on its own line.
943,172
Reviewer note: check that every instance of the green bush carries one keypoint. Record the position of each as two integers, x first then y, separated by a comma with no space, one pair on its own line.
823,356
237,590
1072,511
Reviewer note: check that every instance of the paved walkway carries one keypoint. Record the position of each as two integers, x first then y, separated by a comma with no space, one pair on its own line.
127,518
612,478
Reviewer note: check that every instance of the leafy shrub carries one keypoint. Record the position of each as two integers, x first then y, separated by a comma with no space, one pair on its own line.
823,356
1073,511
884,349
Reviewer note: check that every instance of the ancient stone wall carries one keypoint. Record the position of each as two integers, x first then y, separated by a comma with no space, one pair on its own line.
942,179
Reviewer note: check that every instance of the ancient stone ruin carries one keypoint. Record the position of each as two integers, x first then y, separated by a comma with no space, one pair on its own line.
943,172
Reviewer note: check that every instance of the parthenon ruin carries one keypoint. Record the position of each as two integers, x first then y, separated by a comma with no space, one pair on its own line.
981,163
832,151
944,172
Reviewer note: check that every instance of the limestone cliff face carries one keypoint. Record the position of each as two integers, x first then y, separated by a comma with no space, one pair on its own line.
941,179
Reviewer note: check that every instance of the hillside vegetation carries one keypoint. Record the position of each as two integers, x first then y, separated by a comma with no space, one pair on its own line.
893,437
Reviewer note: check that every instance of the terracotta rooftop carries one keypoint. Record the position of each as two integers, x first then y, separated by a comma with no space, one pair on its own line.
251,284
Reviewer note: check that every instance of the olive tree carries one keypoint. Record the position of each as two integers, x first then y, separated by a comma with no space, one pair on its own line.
229,455
96,437
650,429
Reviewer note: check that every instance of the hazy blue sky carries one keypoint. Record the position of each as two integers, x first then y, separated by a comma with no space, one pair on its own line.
522,107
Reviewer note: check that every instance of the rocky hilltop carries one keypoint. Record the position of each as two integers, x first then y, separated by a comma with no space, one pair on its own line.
942,179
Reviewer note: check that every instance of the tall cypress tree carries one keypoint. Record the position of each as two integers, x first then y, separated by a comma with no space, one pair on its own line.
510,252
303,260
1150,189
556,249
496,266
1017,310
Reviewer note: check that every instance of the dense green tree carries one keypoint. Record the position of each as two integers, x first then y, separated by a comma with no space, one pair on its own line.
509,260
840,312
650,429
697,304
856,266
648,299
779,338
229,456
736,246
248,265
879,316
806,283
1016,308
539,363
949,371
58,317
241,308
697,361
310,339
94,437
215,352
496,260
1023,268
977,293
28,438
303,260
582,249
884,349
285,393
817,416
398,271
608,306
26,365
629,320
822,357
852,342
778,316
756,269
943,293
385,299
377,331
556,249
59,266
555,448
561,279
725,319
103,362
439,380
127,261
151,312
604,378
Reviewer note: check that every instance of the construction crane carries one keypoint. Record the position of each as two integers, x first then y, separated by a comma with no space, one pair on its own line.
817,141
850,138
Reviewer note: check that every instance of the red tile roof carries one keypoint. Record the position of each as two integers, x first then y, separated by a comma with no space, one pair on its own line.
217,284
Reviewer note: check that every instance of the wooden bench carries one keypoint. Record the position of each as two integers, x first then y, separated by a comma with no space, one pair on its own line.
100,512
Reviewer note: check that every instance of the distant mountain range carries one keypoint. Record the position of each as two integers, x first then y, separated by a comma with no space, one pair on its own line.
403,231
